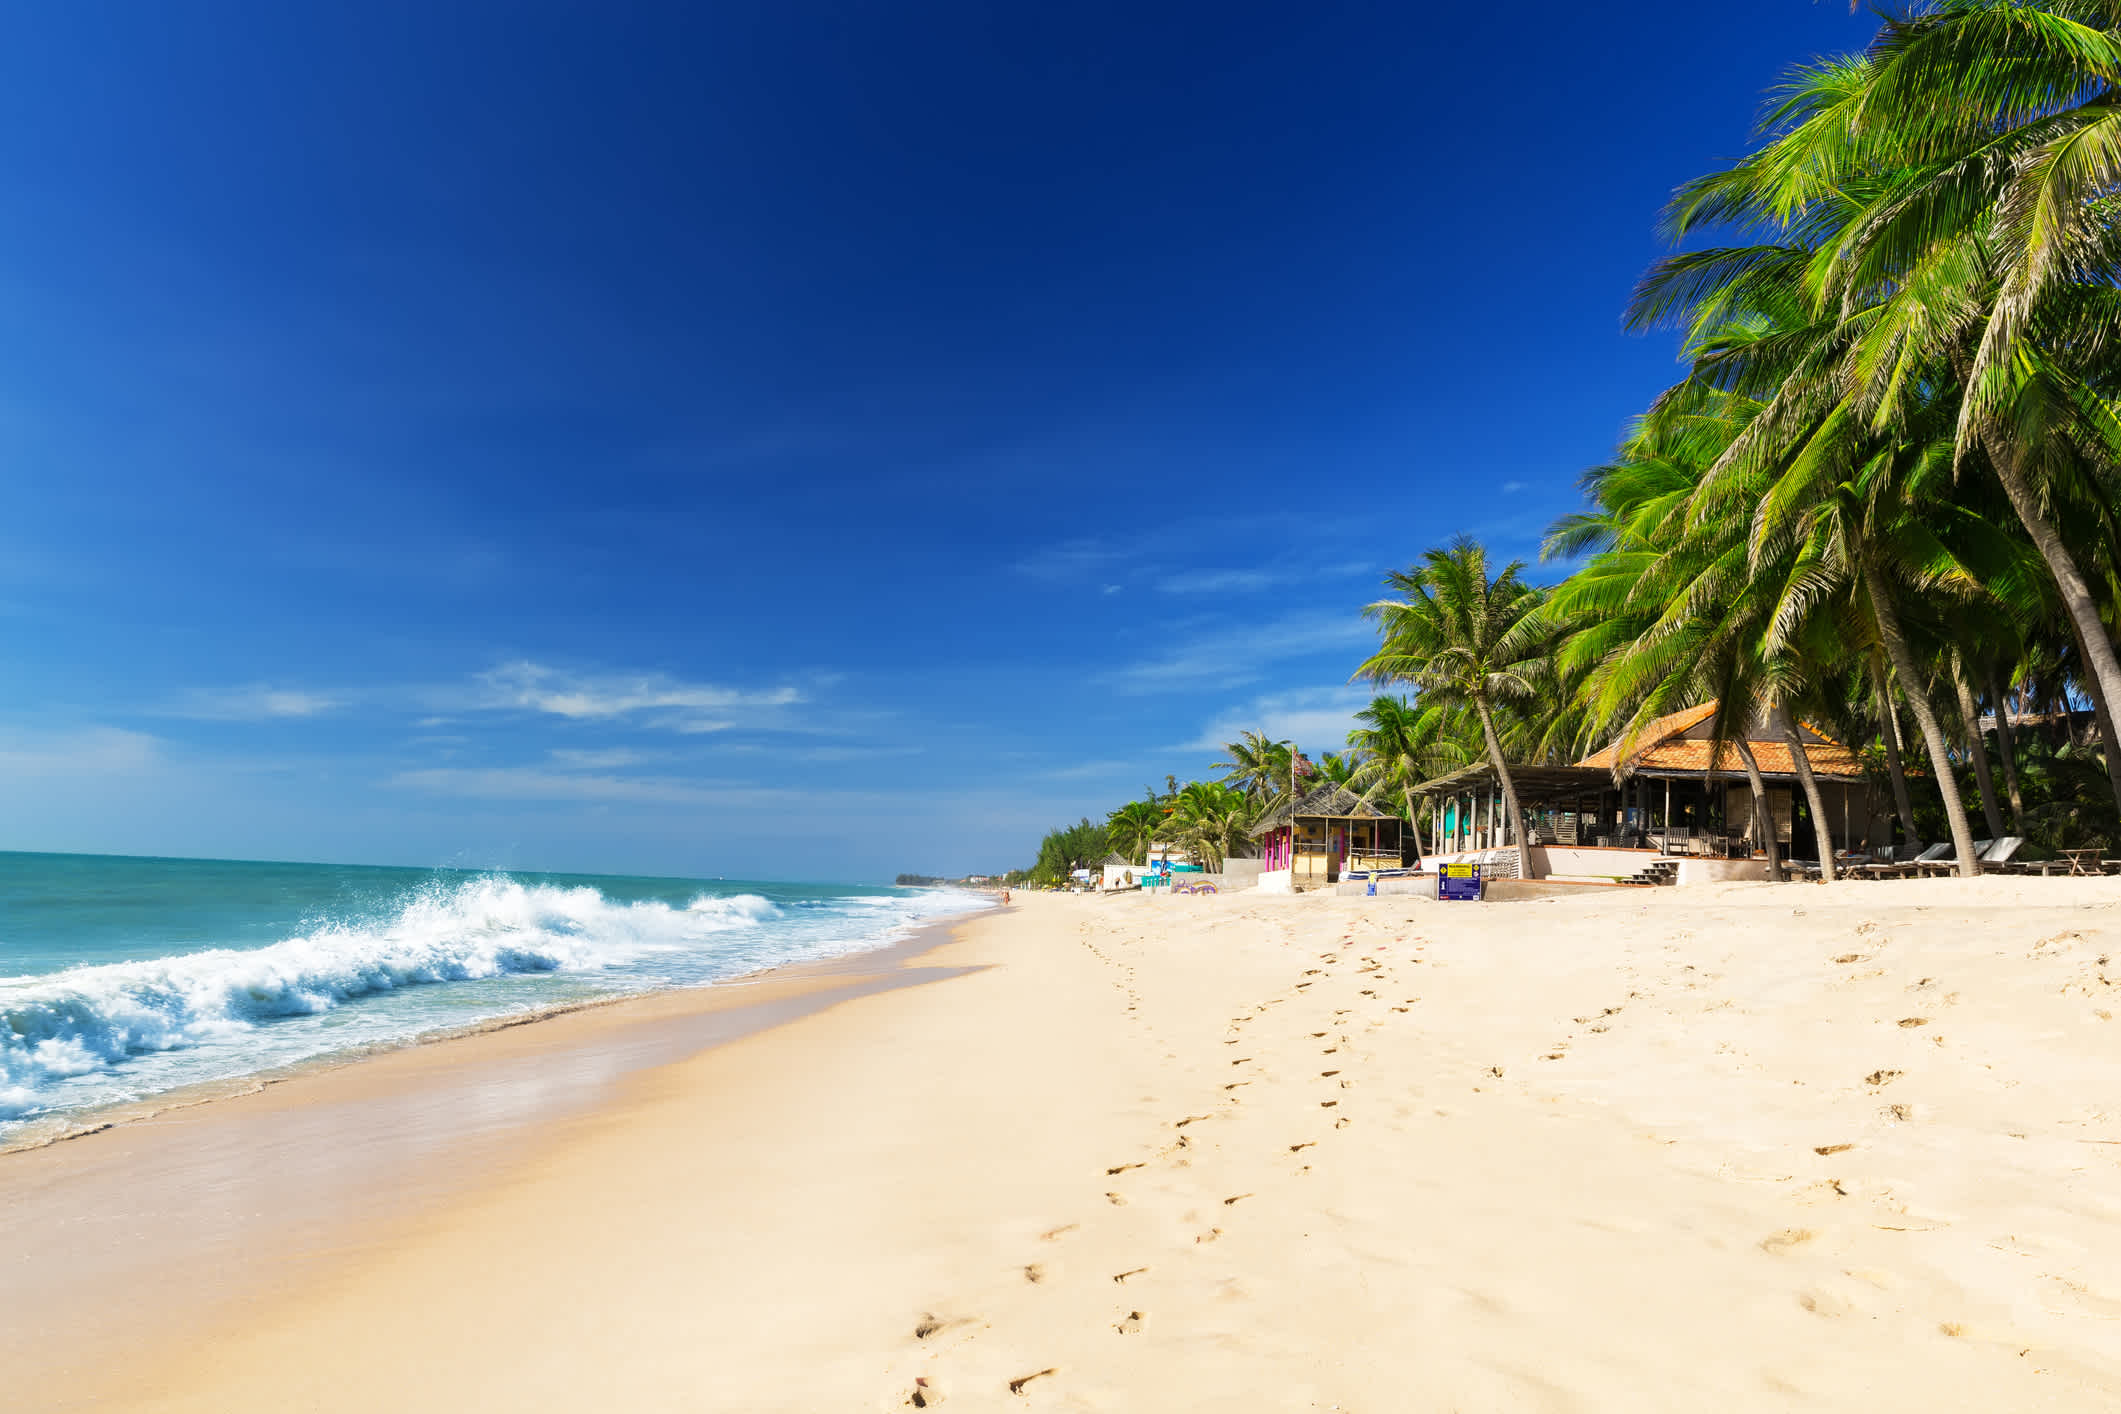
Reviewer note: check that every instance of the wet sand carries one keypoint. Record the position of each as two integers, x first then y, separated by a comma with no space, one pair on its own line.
189,1212
1739,1146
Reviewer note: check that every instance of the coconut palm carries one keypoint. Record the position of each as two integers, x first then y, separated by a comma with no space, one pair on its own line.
1213,821
1463,638
1942,207
1403,745
1256,765
1133,827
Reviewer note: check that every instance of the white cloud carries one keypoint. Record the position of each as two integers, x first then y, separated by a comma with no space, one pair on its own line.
1219,581
88,751
664,701
1071,559
608,760
531,783
1256,579
1317,719
256,702
1231,657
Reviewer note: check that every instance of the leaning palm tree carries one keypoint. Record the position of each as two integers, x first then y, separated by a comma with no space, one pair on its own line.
1462,638
1944,208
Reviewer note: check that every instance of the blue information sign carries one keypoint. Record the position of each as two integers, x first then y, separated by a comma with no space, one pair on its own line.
1459,882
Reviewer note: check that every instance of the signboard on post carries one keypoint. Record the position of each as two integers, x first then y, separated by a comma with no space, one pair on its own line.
1458,883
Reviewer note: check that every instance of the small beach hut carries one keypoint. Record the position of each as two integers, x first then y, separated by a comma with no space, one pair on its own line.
1329,831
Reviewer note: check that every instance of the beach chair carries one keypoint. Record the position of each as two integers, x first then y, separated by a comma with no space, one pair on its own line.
1996,859
1947,864
1901,869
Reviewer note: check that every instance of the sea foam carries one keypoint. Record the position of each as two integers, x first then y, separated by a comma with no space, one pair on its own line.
88,1019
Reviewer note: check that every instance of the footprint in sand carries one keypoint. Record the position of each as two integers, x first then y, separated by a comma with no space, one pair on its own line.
931,1325
1787,1239
1209,1236
1121,1278
1034,1272
1118,1169
1016,1386
1117,1200
1307,1144
1131,1323
1055,1234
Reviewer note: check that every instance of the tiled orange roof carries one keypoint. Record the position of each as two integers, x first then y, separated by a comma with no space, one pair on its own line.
1661,748
1654,733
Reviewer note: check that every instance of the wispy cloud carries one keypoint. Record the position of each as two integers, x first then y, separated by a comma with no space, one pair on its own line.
1234,656
1206,581
255,702
1071,560
98,751
534,783
613,759
1256,579
1317,719
657,699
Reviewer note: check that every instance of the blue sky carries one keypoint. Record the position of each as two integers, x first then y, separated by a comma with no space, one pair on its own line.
781,440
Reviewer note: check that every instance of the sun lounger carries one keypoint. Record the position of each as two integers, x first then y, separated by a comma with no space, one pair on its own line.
1996,859
1947,864
1901,869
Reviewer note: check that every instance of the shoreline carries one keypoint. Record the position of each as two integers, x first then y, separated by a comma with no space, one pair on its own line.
344,1148
69,1125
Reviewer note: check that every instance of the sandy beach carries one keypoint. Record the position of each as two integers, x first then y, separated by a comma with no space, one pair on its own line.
1742,1146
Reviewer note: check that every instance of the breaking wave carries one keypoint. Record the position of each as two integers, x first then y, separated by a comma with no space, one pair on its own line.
89,1019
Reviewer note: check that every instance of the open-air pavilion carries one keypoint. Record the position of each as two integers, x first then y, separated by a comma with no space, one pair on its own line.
1331,831
1667,811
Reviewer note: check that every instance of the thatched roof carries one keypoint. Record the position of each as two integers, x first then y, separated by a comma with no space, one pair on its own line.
1325,802
1114,858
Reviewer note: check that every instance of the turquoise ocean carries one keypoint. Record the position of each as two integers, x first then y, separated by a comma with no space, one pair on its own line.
122,979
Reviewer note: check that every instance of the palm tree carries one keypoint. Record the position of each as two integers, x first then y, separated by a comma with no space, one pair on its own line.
1256,765
1403,745
1133,827
1463,639
1941,209
1213,821
1339,767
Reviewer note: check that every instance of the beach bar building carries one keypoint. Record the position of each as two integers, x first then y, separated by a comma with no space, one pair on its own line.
1330,832
1667,812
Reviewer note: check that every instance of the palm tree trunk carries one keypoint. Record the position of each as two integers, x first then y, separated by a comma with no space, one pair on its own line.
2104,679
1889,732
1925,717
1822,832
1406,792
1978,747
2007,749
1763,816
1509,790
2105,719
